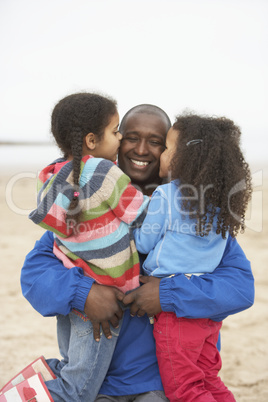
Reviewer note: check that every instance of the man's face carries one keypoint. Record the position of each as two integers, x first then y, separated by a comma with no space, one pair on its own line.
144,137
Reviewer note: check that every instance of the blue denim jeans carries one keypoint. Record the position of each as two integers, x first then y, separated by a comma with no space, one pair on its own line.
84,363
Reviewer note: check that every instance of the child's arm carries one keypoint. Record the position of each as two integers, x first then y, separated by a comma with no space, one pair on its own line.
52,201
154,225
123,198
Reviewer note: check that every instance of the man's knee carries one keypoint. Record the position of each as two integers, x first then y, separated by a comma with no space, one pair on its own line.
152,396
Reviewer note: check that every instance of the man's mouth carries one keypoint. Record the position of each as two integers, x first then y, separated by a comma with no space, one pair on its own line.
139,163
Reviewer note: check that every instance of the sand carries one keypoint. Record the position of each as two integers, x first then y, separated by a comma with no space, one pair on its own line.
25,334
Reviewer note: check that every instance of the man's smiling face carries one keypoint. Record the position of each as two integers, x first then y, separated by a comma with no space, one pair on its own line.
144,136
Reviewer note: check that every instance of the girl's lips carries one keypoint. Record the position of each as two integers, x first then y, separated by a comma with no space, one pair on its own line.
139,164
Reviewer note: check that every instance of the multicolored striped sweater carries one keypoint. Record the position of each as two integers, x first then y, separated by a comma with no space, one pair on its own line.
102,242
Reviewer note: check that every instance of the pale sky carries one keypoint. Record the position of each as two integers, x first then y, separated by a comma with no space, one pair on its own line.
209,56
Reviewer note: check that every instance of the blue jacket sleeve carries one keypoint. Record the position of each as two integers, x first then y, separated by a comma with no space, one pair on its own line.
154,224
50,287
228,290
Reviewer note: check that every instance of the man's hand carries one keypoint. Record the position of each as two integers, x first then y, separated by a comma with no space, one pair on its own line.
102,306
105,329
145,299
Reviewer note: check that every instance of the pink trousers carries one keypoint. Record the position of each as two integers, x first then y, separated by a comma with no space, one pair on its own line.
189,360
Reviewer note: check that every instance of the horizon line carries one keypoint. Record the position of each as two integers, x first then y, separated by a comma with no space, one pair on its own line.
26,143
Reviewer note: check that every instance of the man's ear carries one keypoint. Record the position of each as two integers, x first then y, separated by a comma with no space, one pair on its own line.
90,141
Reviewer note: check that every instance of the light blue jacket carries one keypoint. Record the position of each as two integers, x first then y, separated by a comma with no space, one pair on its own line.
168,236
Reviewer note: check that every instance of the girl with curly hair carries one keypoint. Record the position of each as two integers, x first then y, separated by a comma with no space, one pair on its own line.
186,225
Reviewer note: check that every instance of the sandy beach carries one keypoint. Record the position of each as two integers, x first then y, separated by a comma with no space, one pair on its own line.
25,334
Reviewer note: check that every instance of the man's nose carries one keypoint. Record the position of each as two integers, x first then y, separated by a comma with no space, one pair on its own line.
141,148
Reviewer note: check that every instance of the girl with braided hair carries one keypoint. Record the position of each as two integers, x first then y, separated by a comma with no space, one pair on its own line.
89,205
186,225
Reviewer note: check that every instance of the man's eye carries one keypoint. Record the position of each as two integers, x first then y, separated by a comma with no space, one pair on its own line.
156,144
131,139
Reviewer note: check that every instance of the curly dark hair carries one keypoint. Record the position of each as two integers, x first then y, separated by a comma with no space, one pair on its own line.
214,176
72,119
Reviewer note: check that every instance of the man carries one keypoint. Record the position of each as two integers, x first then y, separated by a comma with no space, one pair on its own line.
144,130
133,373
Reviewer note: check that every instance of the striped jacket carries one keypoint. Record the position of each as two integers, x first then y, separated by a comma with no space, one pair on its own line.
101,243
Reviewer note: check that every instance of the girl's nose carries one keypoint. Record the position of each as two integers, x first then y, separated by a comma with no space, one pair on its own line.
120,136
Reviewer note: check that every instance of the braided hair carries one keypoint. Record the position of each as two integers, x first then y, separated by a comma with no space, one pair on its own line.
213,173
72,119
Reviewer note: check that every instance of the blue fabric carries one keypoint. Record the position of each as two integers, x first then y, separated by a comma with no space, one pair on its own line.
134,367
43,277
168,236
84,363
228,290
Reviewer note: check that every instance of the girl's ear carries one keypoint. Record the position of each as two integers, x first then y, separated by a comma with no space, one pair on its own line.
90,141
